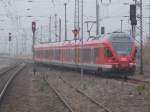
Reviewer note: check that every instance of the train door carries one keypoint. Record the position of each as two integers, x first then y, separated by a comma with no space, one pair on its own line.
108,56
92,56
76,55
96,55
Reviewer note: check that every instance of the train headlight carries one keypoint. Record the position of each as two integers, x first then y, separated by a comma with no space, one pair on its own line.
132,64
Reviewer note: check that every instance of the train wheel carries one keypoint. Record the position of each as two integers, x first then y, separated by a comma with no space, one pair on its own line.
100,71
125,76
132,71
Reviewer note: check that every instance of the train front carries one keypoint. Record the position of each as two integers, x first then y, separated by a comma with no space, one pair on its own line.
124,52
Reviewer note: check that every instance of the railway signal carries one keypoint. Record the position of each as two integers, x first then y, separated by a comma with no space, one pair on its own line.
33,40
133,18
33,30
102,30
65,21
133,14
33,26
76,32
10,37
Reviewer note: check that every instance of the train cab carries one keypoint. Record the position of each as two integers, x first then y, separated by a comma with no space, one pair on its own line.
121,52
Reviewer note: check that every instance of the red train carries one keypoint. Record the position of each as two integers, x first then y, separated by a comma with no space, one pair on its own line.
112,52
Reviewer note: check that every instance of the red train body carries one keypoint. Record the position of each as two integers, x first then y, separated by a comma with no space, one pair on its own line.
114,52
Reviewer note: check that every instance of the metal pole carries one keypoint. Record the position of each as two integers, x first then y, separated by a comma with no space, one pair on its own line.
97,18
82,27
33,43
41,33
149,19
133,31
59,30
78,18
65,21
56,27
134,26
141,37
75,19
50,28
75,14
9,48
16,45
88,29
121,24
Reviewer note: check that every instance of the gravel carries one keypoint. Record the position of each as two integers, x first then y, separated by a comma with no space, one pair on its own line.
29,93
115,95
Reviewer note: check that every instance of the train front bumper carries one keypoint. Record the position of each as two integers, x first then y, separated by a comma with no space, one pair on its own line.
124,67
128,67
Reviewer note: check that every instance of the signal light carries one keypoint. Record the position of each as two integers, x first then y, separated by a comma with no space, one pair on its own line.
102,30
9,37
133,14
33,26
76,32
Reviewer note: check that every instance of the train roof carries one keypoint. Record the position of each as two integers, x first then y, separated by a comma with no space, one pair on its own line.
115,37
72,42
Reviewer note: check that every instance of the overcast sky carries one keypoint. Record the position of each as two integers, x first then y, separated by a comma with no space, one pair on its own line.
111,14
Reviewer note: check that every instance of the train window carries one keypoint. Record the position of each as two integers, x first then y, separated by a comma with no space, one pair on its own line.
122,48
46,54
120,37
57,54
96,54
72,55
85,55
108,53
50,53
69,55
40,54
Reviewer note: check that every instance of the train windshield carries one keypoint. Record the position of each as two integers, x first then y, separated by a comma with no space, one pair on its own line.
122,48
122,43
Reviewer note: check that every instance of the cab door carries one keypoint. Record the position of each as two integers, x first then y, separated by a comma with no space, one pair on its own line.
96,55
108,56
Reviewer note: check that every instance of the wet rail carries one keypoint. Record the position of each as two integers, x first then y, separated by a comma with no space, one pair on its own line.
60,97
7,76
93,101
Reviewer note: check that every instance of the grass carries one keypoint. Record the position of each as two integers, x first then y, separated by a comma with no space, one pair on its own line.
142,89
88,83
41,85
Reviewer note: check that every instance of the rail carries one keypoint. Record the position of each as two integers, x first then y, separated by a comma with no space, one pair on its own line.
2,93
84,94
59,96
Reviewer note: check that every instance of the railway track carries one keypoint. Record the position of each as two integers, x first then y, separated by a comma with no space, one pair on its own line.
60,97
136,81
6,77
88,104
5,70
131,80
117,78
85,95
72,79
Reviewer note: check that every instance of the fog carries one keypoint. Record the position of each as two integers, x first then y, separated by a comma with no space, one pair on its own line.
16,17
